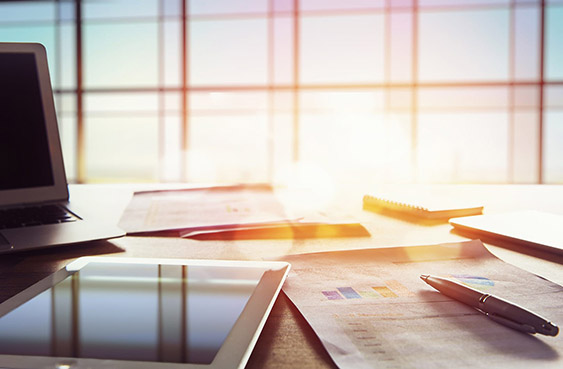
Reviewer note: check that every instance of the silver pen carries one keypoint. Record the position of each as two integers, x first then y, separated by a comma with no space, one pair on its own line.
497,309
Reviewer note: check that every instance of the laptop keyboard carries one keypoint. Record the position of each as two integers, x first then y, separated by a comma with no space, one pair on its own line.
34,216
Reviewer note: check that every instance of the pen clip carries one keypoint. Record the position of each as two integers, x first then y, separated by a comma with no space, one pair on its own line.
510,323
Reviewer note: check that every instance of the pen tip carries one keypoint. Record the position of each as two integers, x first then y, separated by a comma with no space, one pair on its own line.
424,277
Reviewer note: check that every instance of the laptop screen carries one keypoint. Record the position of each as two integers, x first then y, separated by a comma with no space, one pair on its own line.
24,151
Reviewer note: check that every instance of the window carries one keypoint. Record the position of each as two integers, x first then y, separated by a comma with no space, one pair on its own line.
437,91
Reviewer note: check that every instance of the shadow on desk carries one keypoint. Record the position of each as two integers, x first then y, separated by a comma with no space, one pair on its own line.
288,333
20,270
505,341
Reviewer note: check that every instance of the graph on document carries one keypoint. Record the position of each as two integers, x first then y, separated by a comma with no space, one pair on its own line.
389,289
393,288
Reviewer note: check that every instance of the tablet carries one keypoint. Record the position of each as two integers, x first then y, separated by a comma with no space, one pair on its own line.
529,228
102,312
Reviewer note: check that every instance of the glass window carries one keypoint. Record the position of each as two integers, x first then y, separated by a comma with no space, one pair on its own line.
526,43
474,84
463,146
172,7
67,131
66,57
461,3
135,102
554,97
344,131
525,147
400,52
170,160
67,10
121,148
553,150
283,5
228,52
447,98
29,11
215,139
343,49
222,124
214,7
106,9
554,43
464,45
340,5
283,50
172,53
120,55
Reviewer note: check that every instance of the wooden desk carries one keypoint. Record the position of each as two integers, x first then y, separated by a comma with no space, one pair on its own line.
287,340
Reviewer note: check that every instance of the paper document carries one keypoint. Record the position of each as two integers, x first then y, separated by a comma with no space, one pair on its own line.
202,208
370,308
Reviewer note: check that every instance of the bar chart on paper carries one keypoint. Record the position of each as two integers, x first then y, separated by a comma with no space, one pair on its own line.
370,308
391,289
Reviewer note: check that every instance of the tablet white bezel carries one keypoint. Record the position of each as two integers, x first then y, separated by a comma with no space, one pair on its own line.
235,350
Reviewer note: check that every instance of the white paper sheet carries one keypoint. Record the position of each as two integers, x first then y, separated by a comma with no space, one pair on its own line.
205,208
371,309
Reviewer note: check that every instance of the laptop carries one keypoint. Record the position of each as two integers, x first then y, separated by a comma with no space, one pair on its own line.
35,211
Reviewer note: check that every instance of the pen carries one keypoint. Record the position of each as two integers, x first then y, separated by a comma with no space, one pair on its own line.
499,310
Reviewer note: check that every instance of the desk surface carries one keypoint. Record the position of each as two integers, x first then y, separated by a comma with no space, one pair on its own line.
287,340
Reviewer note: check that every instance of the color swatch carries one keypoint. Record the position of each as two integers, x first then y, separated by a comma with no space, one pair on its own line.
391,289
473,280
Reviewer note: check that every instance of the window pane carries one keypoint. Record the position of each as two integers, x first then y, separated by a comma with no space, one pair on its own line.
441,98
283,50
401,3
228,52
347,134
67,10
27,11
464,46
526,97
170,148
225,102
121,148
120,55
67,131
67,56
399,100
228,137
401,47
343,49
283,5
554,42
172,53
554,97
228,148
526,41
139,102
340,5
525,148
553,150
463,146
172,7
96,9
448,3
198,7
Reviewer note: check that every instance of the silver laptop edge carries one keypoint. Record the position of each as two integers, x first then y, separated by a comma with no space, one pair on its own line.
18,239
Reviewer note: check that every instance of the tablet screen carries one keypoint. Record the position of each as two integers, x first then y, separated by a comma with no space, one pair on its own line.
140,312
